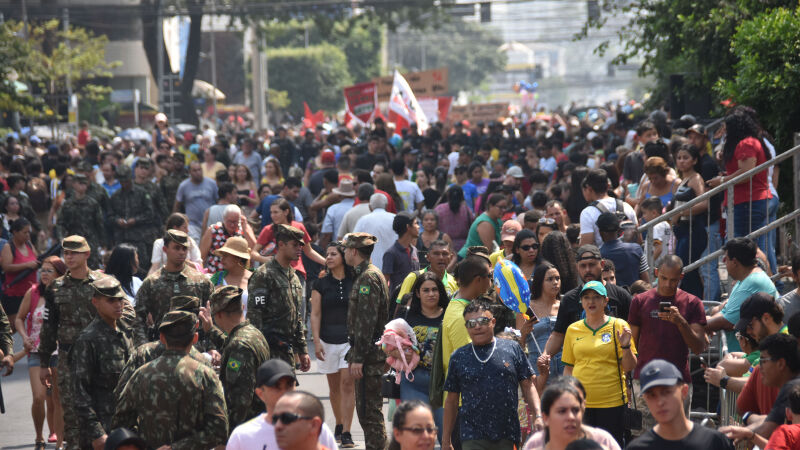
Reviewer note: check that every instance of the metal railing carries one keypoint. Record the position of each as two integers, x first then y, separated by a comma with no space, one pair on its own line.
728,186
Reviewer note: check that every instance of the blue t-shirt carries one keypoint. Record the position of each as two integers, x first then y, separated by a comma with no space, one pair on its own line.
470,194
757,281
488,391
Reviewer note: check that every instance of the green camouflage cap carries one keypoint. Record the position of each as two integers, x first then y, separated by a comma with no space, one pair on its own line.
144,163
184,303
224,296
81,178
75,243
359,240
85,166
287,233
123,172
108,286
178,323
179,236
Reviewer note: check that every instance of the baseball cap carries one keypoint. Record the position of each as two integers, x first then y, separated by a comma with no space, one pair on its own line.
328,157
588,248
659,372
608,222
594,286
515,172
754,306
510,230
271,371
123,436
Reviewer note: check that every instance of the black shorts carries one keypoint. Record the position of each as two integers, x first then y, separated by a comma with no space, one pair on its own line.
10,304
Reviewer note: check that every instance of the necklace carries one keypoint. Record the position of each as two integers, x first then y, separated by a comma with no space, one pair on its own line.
484,361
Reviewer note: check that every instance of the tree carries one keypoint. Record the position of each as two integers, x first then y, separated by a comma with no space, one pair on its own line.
15,66
315,74
467,49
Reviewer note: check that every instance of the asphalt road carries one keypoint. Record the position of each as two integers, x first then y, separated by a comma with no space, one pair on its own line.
16,425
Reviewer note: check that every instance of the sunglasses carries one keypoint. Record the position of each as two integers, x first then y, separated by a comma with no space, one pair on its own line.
547,221
529,247
480,321
420,430
288,418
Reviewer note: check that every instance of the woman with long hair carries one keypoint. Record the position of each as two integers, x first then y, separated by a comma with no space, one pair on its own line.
210,163
525,252
123,264
282,213
659,181
273,175
176,221
11,212
29,323
455,217
563,407
430,233
576,202
329,304
16,258
556,250
162,133
385,183
689,227
245,186
413,427
545,300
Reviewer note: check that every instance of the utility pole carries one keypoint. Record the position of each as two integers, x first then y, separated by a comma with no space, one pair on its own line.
71,108
214,61
160,62
265,74
257,67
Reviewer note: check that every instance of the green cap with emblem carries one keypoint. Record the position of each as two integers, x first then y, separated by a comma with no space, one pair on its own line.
75,243
224,296
184,303
81,178
596,286
123,172
178,237
359,240
178,323
108,286
85,166
286,233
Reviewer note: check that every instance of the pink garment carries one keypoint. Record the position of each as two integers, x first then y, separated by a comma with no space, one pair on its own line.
456,225
35,318
399,335
602,437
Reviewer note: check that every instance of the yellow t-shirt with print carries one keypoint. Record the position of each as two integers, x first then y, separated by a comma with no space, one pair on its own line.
591,354
449,281
454,332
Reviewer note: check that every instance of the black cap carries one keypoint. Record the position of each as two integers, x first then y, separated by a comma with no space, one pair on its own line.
123,436
271,371
755,306
588,248
608,222
659,372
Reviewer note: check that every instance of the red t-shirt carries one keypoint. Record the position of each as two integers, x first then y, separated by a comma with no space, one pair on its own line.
756,396
389,205
654,332
266,236
83,137
785,437
749,148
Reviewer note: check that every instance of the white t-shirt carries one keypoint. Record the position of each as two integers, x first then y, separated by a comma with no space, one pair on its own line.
590,214
258,434
662,231
452,157
410,193
548,165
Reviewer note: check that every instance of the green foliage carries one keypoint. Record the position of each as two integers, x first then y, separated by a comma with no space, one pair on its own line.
767,73
278,99
315,74
14,65
468,50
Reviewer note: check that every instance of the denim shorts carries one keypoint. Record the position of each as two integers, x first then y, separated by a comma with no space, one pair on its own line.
35,361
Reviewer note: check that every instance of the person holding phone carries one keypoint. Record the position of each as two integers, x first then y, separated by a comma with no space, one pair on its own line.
666,314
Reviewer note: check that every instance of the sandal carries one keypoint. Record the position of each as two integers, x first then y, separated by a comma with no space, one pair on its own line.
40,445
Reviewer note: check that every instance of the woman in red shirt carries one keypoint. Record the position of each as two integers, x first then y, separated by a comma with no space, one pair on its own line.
743,151
16,257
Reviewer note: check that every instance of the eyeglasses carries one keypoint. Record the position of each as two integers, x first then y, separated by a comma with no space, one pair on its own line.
529,247
288,418
762,359
547,221
480,321
418,431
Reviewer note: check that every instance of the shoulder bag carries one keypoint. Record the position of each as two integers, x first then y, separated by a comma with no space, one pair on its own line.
632,416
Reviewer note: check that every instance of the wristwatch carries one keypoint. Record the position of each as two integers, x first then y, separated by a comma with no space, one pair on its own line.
723,383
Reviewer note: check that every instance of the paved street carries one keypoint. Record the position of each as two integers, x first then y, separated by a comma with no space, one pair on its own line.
16,425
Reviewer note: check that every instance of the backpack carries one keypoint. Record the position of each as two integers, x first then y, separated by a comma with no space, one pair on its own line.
624,221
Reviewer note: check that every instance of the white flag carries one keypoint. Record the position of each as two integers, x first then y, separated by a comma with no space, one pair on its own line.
403,102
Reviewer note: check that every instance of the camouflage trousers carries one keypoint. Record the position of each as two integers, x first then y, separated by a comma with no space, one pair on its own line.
369,407
65,382
284,353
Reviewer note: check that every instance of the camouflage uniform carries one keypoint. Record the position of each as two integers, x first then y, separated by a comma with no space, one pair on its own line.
83,217
175,400
273,306
367,313
169,186
160,210
133,203
6,342
142,355
98,357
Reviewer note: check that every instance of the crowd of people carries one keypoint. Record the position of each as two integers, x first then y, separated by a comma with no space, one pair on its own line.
165,292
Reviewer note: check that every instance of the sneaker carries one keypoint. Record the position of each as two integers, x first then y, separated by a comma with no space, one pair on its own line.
337,434
347,440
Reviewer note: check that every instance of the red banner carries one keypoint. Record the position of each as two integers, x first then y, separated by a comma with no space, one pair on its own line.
361,102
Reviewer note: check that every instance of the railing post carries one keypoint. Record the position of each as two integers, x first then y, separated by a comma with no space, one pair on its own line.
729,220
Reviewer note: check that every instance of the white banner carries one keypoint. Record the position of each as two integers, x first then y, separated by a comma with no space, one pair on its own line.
403,102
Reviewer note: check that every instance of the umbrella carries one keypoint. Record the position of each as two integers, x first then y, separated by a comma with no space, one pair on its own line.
135,134
511,286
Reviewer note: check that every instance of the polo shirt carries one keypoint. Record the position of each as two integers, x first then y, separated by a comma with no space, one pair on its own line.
591,354
398,262
570,310
450,284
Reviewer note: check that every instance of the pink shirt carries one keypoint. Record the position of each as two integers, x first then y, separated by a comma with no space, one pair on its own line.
602,437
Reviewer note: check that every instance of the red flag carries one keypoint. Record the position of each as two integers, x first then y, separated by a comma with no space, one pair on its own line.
312,119
361,103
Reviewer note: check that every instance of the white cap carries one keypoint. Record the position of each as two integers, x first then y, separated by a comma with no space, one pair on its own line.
161,117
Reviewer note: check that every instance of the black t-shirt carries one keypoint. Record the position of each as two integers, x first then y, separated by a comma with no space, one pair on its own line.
778,412
571,310
708,170
700,438
335,297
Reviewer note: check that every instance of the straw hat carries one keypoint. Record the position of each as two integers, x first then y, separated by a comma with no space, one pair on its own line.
236,246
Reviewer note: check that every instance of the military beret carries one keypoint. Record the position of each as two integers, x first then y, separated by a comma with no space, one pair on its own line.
81,177
144,163
123,172
75,243
184,303
224,296
179,237
178,323
288,233
108,286
359,240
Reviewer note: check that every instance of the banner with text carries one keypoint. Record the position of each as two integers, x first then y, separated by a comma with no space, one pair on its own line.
361,102
485,112
403,106
429,83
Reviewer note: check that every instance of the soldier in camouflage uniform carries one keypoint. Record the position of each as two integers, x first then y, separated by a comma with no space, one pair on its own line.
169,183
68,310
142,179
274,298
95,191
6,342
98,357
131,216
367,313
173,279
175,400
243,351
81,215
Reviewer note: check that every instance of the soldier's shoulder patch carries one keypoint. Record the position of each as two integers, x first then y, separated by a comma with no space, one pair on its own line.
234,364
363,289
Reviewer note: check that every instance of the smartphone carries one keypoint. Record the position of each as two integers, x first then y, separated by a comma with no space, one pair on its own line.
664,306
703,363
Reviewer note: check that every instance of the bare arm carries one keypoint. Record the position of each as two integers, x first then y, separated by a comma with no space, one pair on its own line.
177,207
205,221
487,234
205,243
568,370
8,266
313,255
449,421
24,308
531,396
717,322
316,319
554,343
586,238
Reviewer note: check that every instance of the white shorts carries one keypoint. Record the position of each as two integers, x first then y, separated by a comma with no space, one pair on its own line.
334,358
